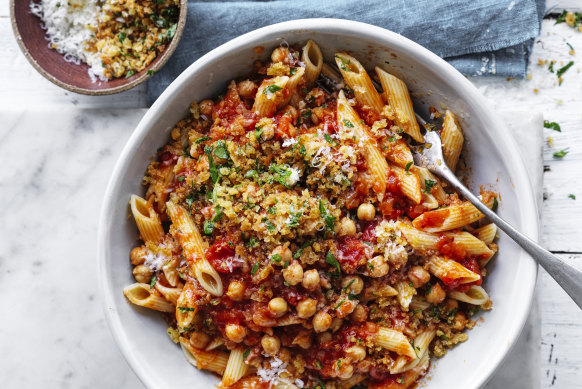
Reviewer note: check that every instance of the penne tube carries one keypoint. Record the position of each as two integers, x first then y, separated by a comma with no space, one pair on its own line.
447,269
486,233
351,382
449,218
358,79
474,296
142,295
419,303
214,361
193,246
235,369
313,60
214,344
405,293
427,178
169,293
349,123
270,94
423,241
186,307
397,96
394,341
409,183
171,273
147,219
452,139
292,85
398,152
420,344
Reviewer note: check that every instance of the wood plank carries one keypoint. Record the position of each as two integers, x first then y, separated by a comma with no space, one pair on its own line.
561,360
23,86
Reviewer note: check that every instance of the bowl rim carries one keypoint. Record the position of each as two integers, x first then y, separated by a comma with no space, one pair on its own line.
520,180
163,58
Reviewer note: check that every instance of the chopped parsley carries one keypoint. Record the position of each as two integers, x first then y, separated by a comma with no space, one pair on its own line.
400,380
407,168
186,309
189,201
252,242
328,218
348,286
200,140
563,70
330,140
281,174
246,353
181,178
561,153
553,125
340,304
151,72
258,132
276,258
270,226
254,269
452,313
348,124
122,36
303,247
271,89
153,281
495,204
220,150
428,184
292,71
129,73
306,114
211,166
344,64
330,260
551,67
250,173
208,227
572,196
294,217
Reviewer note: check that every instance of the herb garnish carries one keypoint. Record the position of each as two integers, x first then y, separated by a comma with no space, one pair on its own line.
330,260
553,125
407,168
348,124
572,196
561,153
271,89
254,269
428,184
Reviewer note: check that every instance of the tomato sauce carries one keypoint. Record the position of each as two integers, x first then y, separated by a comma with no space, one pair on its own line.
432,219
446,245
352,253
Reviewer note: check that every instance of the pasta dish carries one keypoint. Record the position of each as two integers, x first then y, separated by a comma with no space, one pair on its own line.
291,241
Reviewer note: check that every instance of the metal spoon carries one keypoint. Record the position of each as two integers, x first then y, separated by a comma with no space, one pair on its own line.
569,278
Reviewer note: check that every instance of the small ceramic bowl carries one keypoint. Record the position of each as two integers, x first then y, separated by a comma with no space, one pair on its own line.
52,65
491,154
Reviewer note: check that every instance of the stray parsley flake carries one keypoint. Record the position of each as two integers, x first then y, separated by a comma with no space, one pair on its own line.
254,269
330,140
186,309
407,168
572,196
348,124
246,353
495,204
208,227
271,89
561,153
428,184
553,125
153,281
330,260
303,247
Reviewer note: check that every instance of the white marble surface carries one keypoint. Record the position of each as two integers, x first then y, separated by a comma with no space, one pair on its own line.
56,166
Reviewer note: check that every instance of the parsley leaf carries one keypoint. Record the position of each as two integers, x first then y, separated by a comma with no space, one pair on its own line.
254,269
328,218
553,125
330,260
428,184
220,150
344,64
348,124
407,168
271,89
561,153
211,166
572,196
495,204
153,281
208,227
303,247
186,309
276,258
189,201
246,353
330,140
200,140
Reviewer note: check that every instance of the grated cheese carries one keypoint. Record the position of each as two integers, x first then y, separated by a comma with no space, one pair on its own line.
68,25
289,142
272,375
155,261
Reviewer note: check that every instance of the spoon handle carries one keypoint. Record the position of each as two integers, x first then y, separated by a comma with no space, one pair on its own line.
569,277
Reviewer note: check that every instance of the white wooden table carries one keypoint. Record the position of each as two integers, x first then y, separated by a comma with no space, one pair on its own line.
561,360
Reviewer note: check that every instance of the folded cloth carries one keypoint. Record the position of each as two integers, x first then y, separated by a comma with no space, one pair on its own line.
479,37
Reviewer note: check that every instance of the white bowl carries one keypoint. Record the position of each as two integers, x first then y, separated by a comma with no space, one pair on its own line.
492,155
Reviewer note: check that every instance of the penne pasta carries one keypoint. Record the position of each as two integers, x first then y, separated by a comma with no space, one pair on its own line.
405,293
358,79
147,219
186,307
352,381
394,341
424,241
235,367
313,59
452,139
215,361
474,296
449,218
144,296
169,293
397,96
193,247
486,233
397,152
447,269
427,178
420,344
409,183
271,93
349,122
291,86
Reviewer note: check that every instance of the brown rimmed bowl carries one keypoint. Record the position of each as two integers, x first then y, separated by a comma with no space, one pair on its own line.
52,65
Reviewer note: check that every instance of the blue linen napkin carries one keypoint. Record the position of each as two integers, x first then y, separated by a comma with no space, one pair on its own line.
478,37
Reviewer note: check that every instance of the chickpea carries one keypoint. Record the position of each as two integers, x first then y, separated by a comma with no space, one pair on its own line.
356,353
366,212
324,337
360,313
199,339
306,308
137,255
336,324
271,344
436,294
280,54
284,252
294,273
236,290
246,88
268,132
322,321
278,306
353,284
206,107
142,274
460,321
418,276
378,267
303,339
284,355
311,279
346,370
346,227
364,366
235,332
451,304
